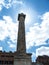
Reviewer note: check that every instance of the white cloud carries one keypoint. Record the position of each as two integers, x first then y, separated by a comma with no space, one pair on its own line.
42,51
8,28
1,48
12,46
39,32
1,4
9,4
17,2
1,1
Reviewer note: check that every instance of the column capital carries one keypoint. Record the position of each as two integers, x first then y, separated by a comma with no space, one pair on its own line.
21,17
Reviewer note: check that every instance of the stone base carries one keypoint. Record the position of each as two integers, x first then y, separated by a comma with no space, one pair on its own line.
22,59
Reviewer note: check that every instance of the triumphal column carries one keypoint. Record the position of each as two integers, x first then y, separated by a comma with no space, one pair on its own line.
20,56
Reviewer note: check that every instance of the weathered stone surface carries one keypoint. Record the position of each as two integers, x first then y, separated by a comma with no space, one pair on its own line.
21,43
21,57
22,62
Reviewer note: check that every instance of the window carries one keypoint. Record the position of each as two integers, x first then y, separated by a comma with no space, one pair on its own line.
0,62
10,62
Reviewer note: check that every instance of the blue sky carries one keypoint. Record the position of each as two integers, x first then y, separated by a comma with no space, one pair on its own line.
36,25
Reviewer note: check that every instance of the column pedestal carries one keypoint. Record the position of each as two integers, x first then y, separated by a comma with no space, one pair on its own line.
22,59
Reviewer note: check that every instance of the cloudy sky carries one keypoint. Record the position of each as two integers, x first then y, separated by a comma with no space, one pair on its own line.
36,25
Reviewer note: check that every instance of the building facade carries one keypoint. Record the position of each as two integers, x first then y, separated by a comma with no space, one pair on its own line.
43,59
6,58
